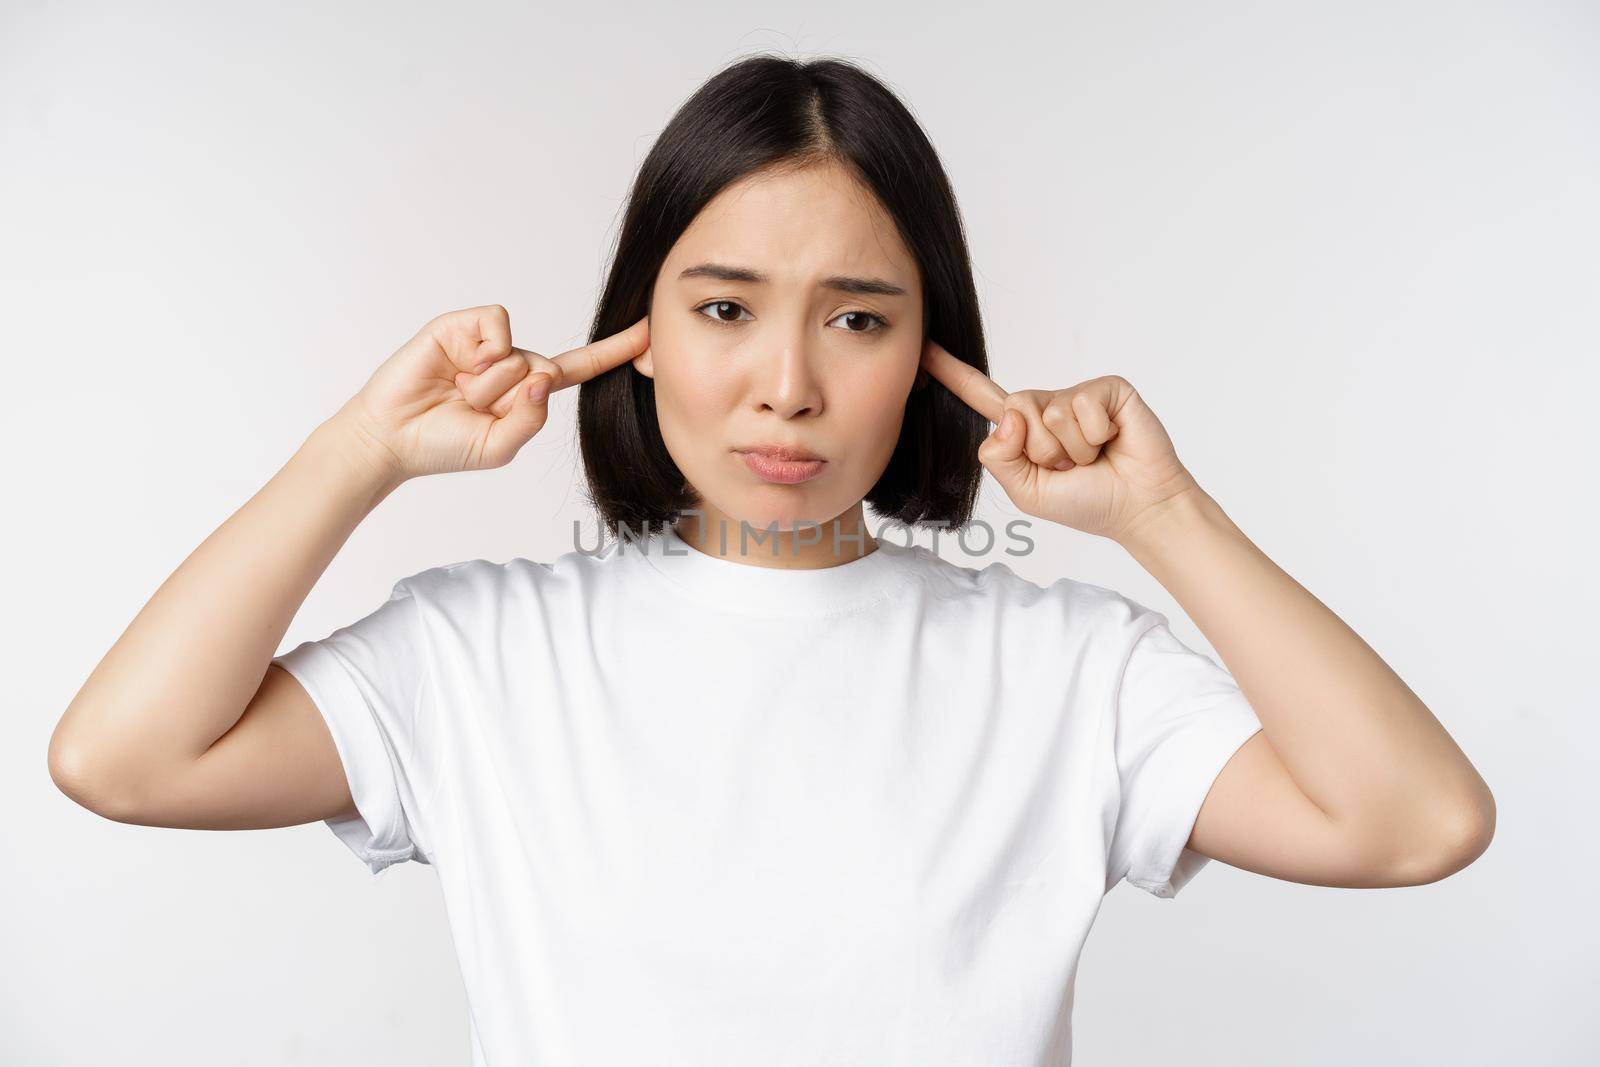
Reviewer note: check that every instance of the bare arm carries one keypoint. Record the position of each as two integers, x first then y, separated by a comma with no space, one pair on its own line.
186,722
197,655
1352,781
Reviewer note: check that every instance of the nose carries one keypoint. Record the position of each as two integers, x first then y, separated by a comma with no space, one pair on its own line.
786,382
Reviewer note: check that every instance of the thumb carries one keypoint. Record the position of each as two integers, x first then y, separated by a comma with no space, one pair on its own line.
1001,453
526,418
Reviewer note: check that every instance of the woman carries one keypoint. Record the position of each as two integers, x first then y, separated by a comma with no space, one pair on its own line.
751,785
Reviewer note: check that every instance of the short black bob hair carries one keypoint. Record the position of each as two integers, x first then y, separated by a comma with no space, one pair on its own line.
763,111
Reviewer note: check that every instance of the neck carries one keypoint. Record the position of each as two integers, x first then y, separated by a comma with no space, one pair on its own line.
802,545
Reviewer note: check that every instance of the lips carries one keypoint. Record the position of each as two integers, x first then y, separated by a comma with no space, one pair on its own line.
775,463
782,453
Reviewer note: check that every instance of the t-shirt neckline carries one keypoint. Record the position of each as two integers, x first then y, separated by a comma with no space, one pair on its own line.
726,582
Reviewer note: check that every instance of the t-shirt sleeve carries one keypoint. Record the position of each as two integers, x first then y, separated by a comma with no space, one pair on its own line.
1179,717
368,680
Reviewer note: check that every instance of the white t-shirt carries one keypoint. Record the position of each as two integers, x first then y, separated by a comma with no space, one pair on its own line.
686,810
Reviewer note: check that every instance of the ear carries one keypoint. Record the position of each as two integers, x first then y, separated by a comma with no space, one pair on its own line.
643,364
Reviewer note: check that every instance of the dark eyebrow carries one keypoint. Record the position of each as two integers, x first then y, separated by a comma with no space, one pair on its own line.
722,272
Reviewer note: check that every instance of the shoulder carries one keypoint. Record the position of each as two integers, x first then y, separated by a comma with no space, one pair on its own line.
476,583
1068,600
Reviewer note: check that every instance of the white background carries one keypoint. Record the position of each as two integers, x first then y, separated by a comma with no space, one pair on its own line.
1346,251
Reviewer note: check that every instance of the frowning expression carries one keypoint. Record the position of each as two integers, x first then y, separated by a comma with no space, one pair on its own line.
788,315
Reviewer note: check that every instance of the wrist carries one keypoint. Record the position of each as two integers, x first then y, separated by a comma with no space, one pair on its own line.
371,466
1170,521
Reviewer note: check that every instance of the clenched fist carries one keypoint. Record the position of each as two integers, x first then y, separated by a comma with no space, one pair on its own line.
459,396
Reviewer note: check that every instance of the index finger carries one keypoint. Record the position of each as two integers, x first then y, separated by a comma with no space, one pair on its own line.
594,359
979,391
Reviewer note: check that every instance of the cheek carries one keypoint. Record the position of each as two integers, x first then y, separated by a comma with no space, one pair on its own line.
691,387
874,409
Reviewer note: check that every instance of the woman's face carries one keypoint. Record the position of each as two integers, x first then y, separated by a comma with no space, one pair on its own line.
788,314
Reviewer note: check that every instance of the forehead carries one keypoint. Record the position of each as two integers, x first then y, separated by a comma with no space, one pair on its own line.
796,225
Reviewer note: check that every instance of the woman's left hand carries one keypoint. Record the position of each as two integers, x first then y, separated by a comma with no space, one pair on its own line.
1092,457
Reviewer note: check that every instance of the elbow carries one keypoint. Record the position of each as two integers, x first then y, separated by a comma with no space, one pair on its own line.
1459,838
73,773
86,780
1479,827
1472,828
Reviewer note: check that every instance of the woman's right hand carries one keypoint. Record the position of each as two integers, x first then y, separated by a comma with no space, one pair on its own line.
458,396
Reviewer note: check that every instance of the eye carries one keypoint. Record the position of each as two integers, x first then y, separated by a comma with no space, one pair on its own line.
715,316
872,323
875,323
